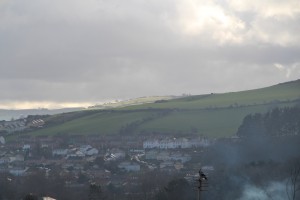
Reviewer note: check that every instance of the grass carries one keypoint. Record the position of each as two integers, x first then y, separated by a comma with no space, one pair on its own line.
221,122
213,115
280,92
99,123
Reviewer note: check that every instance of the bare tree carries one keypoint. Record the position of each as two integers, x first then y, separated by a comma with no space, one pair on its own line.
293,183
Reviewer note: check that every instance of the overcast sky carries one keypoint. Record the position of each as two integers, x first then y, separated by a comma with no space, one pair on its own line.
78,52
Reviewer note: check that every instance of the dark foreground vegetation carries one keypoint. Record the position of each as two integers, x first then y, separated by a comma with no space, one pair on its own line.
277,122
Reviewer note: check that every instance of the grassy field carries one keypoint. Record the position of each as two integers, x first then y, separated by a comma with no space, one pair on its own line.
99,123
213,115
280,92
221,122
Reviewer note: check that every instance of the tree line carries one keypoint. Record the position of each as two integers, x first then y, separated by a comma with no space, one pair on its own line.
277,122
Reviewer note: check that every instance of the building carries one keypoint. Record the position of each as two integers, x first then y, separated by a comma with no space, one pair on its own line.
175,143
60,152
151,154
180,157
88,150
18,171
2,140
12,126
129,166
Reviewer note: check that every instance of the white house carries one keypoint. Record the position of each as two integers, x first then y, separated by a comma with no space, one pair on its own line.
75,154
16,158
84,148
60,152
118,153
2,140
175,143
91,152
151,155
150,144
167,143
183,143
200,142
129,166
88,150
36,123
166,164
48,198
178,165
164,155
18,171
26,147
208,168
114,154
4,160
180,157
12,126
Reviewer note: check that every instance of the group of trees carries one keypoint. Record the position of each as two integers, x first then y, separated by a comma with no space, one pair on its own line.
277,122
225,182
177,189
55,185
38,185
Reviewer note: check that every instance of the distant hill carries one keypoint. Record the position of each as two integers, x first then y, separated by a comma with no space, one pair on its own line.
213,115
132,102
6,114
288,91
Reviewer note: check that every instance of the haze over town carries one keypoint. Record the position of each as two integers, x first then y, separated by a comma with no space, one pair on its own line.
79,53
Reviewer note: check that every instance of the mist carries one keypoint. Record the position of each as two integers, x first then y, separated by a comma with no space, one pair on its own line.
252,168
274,191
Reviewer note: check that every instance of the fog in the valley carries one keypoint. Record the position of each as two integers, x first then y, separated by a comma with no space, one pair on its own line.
260,164
259,168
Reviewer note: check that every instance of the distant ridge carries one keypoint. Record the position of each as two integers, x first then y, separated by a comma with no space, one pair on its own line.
8,114
212,115
132,102
289,82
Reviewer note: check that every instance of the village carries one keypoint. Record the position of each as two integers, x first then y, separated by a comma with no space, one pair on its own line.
101,159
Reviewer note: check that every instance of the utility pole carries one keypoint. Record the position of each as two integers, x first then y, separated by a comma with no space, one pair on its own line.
203,183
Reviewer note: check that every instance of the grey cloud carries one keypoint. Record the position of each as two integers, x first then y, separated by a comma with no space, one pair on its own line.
95,50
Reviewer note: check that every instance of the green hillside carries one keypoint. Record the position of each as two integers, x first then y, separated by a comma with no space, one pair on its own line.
213,115
282,92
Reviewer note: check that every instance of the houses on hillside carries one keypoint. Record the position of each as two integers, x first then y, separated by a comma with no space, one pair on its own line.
37,123
12,126
176,143
89,154
20,125
129,166
76,152
167,156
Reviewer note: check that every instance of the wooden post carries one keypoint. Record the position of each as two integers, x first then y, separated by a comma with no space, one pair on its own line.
202,183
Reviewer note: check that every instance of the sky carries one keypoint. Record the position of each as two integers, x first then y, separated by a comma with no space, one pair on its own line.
64,53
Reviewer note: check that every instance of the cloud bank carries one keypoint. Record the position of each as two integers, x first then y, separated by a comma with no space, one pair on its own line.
97,50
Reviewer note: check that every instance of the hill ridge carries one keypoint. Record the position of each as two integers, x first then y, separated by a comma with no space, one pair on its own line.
213,115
